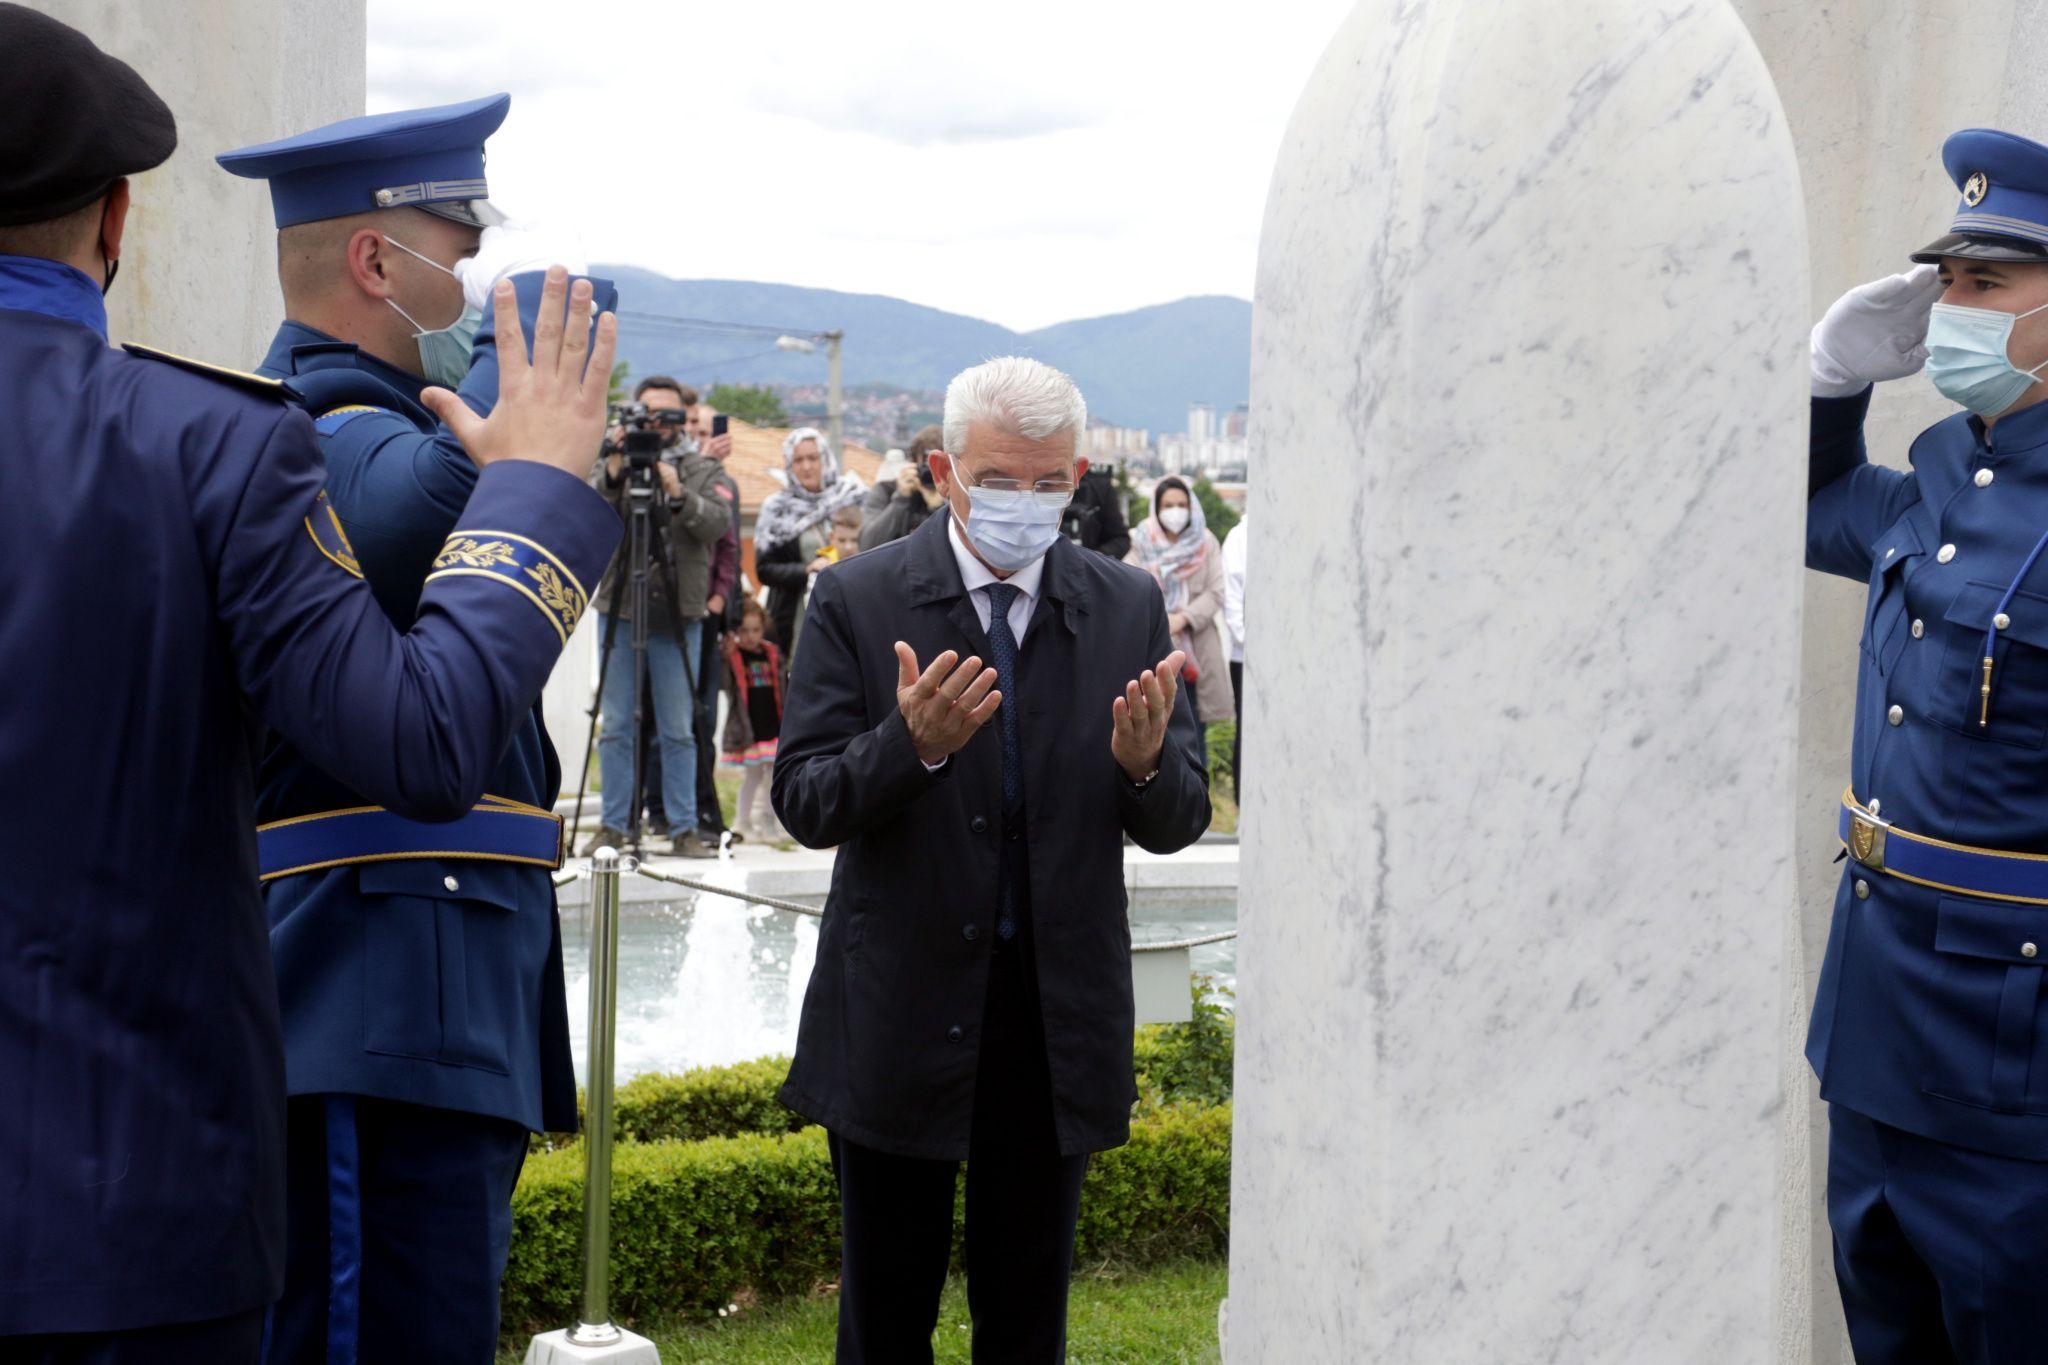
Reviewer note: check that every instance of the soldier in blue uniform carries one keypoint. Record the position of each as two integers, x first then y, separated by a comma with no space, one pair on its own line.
177,578
1930,1030
424,1021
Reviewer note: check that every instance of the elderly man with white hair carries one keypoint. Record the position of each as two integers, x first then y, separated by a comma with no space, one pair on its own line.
980,713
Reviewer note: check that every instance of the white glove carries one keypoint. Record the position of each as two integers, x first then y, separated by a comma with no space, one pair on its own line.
513,250
1875,332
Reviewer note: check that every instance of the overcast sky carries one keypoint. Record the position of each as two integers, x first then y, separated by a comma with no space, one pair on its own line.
1025,163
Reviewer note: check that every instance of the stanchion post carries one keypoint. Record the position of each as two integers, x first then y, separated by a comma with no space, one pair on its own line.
595,1327
595,1336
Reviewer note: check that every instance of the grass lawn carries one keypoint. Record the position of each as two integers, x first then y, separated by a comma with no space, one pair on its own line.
1162,1316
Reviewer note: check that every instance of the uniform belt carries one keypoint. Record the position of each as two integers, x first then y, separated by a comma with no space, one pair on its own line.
2021,878
497,830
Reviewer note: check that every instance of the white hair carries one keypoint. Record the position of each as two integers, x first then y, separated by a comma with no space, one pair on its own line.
1024,397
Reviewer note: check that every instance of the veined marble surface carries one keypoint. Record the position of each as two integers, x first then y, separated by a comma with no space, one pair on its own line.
1529,389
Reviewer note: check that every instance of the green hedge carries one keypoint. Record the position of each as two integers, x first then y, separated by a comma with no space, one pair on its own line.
1176,1064
696,1224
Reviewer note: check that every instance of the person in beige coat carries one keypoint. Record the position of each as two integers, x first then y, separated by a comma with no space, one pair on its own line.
1176,547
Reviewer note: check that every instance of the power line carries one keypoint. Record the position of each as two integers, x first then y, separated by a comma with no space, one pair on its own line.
713,325
734,360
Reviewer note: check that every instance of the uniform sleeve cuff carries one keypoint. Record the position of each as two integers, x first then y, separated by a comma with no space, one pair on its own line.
538,531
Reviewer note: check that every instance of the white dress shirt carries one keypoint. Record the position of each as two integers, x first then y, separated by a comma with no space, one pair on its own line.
979,578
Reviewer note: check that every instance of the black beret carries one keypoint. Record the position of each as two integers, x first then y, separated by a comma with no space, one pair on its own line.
72,119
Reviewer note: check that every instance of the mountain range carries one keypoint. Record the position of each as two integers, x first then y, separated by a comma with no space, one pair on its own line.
1138,369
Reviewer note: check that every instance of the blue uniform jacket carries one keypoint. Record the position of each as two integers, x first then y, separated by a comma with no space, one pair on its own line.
1930,1014
168,591
432,981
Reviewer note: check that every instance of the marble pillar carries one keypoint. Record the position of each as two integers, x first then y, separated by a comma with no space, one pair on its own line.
199,269
1529,412
1871,88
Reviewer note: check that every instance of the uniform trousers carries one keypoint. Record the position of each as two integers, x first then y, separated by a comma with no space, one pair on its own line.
1023,1200
236,1340
1941,1251
398,1220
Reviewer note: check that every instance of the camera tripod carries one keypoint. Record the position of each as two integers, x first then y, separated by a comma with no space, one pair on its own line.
646,562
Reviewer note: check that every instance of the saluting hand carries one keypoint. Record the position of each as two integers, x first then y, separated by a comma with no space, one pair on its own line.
943,705
551,407
1138,719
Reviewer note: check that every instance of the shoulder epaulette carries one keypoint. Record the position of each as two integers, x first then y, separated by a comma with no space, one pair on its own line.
241,378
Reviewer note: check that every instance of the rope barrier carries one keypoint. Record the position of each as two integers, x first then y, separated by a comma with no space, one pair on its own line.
814,912
752,899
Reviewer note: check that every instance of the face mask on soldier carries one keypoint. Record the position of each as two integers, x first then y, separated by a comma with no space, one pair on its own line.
444,351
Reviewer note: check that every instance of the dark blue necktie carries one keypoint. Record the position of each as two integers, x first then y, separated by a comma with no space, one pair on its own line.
1003,647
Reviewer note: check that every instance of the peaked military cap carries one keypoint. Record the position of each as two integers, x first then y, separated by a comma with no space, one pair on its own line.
431,159
2004,212
72,119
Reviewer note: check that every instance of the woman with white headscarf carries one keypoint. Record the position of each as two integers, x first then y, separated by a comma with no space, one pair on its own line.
794,528
1176,547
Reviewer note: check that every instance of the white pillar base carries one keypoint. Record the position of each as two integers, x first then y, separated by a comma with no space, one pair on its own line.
555,1348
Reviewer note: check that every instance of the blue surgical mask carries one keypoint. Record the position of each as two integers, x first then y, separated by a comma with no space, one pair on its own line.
1968,360
1012,528
444,351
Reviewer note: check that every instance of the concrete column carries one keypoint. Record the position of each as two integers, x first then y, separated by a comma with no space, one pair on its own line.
199,269
1871,89
1530,407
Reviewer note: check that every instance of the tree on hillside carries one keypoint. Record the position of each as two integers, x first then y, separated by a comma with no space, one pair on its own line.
756,404
1137,506
621,371
1220,515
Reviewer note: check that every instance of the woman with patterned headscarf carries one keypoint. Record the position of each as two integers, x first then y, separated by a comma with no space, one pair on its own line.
794,528
1176,547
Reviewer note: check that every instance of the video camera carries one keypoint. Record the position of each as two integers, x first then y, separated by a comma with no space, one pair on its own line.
644,432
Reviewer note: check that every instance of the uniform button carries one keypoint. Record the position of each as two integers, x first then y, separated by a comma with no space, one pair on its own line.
1945,553
970,932
1919,628
450,882
978,825
954,1034
1984,477
1897,715
1862,889
2000,621
2028,950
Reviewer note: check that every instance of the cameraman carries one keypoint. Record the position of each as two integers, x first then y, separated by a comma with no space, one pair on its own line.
692,518
1095,519
912,500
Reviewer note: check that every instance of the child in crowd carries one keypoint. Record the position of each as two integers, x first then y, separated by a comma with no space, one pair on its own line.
846,524
753,722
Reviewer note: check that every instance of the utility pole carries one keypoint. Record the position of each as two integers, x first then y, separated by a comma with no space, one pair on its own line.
835,394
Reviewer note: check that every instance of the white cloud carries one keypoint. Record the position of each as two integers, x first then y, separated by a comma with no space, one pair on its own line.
1024,163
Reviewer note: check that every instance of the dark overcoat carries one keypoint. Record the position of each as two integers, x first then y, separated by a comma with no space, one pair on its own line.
888,1046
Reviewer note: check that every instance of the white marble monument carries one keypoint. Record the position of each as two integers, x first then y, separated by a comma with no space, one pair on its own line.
1530,409
199,268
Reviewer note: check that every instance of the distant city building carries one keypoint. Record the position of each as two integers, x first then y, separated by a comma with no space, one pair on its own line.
1238,424
1201,422
1117,445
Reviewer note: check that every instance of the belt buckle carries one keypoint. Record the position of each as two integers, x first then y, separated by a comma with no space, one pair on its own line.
561,841
1867,835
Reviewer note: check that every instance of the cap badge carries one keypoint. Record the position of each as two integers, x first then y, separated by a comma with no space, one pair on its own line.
1975,188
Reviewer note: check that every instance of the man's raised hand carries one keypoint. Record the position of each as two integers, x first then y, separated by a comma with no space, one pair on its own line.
943,705
1138,719
550,408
